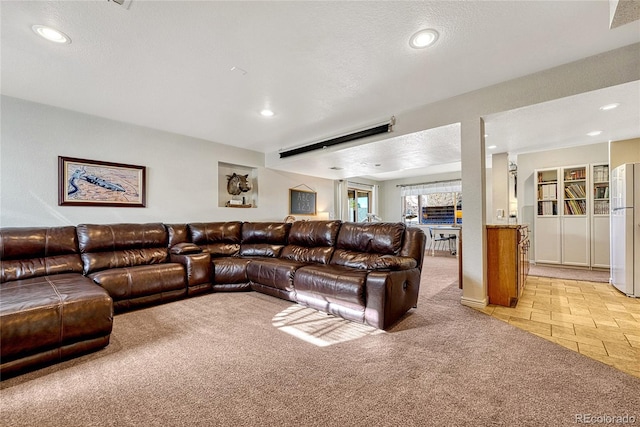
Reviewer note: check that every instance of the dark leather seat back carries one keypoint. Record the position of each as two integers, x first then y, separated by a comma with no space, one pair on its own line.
369,245
35,252
220,239
265,239
122,245
311,241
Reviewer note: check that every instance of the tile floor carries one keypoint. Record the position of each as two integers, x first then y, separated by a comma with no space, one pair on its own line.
591,318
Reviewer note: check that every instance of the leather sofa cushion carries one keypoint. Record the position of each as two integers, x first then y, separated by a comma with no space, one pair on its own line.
374,237
314,233
227,270
114,237
369,261
178,233
263,239
319,255
98,261
121,245
137,281
35,252
208,232
274,273
260,250
274,233
185,249
42,313
332,283
311,241
217,238
413,245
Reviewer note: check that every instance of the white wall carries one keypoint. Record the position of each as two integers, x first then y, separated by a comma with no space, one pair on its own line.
626,151
500,190
182,172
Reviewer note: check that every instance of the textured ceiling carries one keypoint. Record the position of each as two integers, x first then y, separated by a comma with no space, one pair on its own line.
323,67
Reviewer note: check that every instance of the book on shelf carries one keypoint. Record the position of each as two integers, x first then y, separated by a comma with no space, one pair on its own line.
601,173
575,191
547,207
547,192
575,174
574,207
601,207
601,192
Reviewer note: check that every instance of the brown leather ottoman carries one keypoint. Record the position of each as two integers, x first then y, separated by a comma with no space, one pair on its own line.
50,318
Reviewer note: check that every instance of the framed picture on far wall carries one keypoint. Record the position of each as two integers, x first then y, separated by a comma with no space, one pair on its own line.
84,182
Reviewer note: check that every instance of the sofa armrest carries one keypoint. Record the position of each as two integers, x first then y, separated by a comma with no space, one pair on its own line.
185,249
390,294
198,270
390,262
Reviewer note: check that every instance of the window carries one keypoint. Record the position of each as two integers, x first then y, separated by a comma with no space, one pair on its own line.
359,204
432,203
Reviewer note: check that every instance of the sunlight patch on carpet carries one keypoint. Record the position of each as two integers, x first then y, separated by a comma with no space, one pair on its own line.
320,329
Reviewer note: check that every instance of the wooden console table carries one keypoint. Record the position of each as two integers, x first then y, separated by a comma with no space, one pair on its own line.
507,263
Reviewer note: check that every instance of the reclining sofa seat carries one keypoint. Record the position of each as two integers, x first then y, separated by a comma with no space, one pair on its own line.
132,262
48,310
365,272
373,276
308,242
221,240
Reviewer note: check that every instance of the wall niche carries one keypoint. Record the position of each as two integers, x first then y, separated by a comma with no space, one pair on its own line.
245,198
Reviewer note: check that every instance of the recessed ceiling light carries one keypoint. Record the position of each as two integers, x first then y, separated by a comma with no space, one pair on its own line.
267,113
423,38
492,147
610,106
51,34
594,133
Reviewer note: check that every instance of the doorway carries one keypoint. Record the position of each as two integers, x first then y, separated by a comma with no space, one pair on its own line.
359,204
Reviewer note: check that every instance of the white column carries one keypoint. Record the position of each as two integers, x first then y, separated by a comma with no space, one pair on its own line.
474,276
500,189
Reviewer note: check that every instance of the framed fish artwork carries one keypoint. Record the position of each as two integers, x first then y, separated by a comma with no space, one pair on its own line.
83,182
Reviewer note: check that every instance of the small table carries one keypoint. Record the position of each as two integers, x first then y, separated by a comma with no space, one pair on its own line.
446,229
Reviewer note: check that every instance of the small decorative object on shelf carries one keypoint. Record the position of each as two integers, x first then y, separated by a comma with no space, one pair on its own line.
235,205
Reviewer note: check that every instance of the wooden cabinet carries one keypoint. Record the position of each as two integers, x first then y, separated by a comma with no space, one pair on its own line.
507,263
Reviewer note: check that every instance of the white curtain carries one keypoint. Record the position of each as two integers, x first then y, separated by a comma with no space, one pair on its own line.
342,199
454,186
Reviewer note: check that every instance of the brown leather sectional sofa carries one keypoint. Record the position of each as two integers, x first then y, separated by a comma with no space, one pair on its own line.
51,307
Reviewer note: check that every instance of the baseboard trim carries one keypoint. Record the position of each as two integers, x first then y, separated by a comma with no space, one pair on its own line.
474,303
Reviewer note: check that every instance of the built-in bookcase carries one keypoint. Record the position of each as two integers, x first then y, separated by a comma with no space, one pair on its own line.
600,236
600,180
547,192
571,221
574,182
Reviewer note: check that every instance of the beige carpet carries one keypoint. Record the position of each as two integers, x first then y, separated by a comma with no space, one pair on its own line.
219,360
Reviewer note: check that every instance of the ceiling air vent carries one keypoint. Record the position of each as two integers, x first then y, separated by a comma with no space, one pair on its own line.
123,3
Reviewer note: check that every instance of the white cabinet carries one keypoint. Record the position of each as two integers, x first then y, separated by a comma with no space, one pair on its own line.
576,247
571,219
600,241
547,240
